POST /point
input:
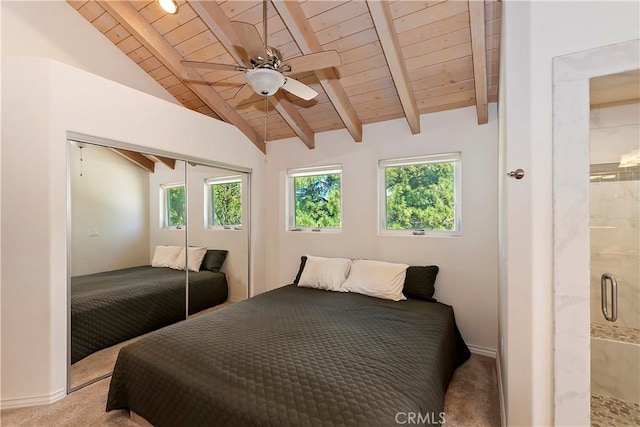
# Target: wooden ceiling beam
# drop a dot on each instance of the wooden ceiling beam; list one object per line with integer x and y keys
{"x": 170, "y": 163}
{"x": 381, "y": 16}
{"x": 217, "y": 21}
{"x": 296, "y": 22}
{"x": 214, "y": 17}
{"x": 479, "y": 54}
{"x": 293, "y": 118}
{"x": 136, "y": 158}
{"x": 146, "y": 34}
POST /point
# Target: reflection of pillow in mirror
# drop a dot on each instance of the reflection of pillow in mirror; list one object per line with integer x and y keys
{"x": 165, "y": 256}
{"x": 195, "y": 255}
{"x": 214, "y": 259}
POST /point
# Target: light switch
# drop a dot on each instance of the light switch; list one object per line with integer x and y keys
{"x": 94, "y": 232}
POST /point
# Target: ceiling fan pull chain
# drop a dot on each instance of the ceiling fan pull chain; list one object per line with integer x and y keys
{"x": 266, "y": 117}
{"x": 264, "y": 22}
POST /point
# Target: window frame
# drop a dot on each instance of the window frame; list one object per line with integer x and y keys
{"x": 164, "y": 206}
{"x": 290, "y": 222}
{"x": 456, "y": 159}
{"x": 208, "y": 197}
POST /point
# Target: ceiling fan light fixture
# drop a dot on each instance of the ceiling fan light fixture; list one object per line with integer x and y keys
{"x": 169, "y": 6}
{"x": 265, "y": 81}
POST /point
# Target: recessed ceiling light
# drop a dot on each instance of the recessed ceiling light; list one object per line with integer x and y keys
{"x": 169, "y": 6}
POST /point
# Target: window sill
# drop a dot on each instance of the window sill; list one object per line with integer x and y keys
{"x": 216, "y": 228}
{"x": 426, "y": 234}
{"x": 317, "y": 231}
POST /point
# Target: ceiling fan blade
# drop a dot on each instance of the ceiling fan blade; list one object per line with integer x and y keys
{"x": 245, "y": 93}
{"x": 212, "y": 66}
{"x": 314, "y": 61}
{"x": 300, "y": 90}
{"x": 251, "y": 41}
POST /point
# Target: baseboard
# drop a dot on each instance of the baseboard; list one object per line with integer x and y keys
{"x": 234, "y": 299}
{"x": 482, "y": 351}
{"x": 503, "y": 409}
{"x": 22, "y": 402}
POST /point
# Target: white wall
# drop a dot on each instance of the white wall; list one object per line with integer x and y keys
{"x": 25, "y": 238}
{"x": 41, "y": 101}
{"x": 468, "y": 264}
{"x": 117, "y": 209}
{"x": 54, "y": 29}
{"x": 533, "y": 34}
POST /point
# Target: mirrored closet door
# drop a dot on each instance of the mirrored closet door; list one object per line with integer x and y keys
{"x": 152, "y": 240}
{"x": 218, "y": 236}
{"x": 127, "y": 217}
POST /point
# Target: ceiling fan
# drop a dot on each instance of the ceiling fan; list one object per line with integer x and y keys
{"x": 265, "y": 67}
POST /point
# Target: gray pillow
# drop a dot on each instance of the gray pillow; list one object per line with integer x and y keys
{"x": 419, "y": 282}
{"x": 213, "y": 260}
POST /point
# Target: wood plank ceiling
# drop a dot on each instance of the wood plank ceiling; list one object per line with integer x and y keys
{"x": 399, "y": 58}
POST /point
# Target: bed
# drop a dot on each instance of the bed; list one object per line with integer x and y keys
{"x": 114, "y": 306}
{"x": 293, "y": 356}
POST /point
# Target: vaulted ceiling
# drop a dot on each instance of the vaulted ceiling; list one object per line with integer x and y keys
{"x": 399, "y": 59}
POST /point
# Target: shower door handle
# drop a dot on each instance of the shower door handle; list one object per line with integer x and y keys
{"x": 613, "y": 316}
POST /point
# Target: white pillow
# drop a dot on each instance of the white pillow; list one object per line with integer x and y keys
{"x": 376, "y": 279}
{"x": 324, "y": 273}
{"x": 164, "y": 256}
{"x": 196, "y": 255}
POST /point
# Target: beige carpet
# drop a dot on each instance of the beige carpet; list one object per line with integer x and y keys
{"x": 97, "y": 365}
{"x": 472, "y": 400}
{"x": 84, "y": 407}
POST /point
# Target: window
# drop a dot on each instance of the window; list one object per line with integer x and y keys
{"x": 421, "y": 195}
{"x": 224, "y": 196}
{"x": 172, "y": 209}
{"x": 315, "y": 199}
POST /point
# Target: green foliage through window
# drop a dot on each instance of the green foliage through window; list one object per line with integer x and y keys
{"x": 226, "y": 204}
{"x": 420, "y": 197}
{"x": 175, "y": 206}
{"x": 317, "y": 201}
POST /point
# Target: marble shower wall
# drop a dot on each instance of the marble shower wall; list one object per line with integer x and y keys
{"x": 615, "y": 371}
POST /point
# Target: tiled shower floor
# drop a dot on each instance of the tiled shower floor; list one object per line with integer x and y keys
{"x": 610, "y": 412}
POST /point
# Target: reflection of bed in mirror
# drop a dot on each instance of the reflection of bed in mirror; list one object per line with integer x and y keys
{"x": 124, "y": 205}
{"x": 111, "y": 307}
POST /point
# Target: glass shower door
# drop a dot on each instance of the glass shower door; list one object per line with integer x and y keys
{"x": 615, "y": 261}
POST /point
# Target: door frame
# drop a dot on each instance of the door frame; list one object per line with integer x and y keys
{"x": 571, "y": 274}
